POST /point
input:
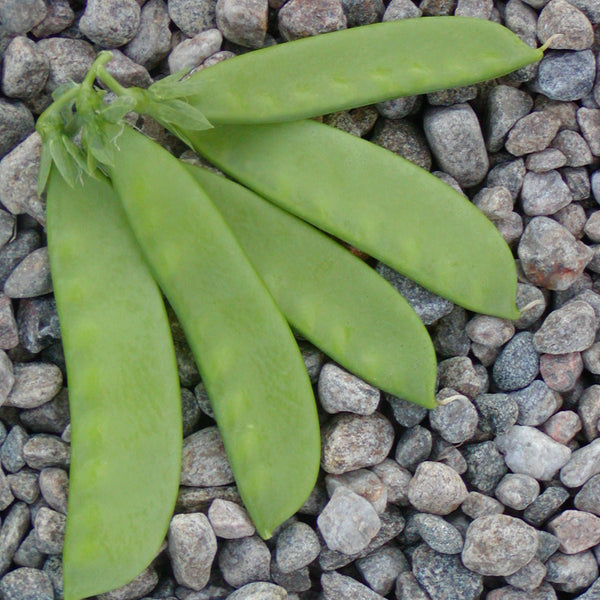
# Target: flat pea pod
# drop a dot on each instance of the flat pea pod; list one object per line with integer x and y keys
{"x": 355, "y": 67}
{"x": 245, "y": 351}
{"x": 330, "y": 296}
{"x": 375, "y": 200}
{"x": 124, "y": 393}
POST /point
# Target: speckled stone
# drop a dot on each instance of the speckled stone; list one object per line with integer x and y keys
{"x": 408, "y": 588}
{"x": 583, "y": 464}
{"x": 34, "y": 384}
{"x": 69, "y": 60}
{"x": 480, "y": 505}
{"x": 506, "y": 105}
{"x": 396, "y": 480}
{"x": 11, "y": 451}
{"x": 545, "y": 505}
{"x": 485, "y": 466}
{"x": 20, "y": 16}
{"x": 573, "y": 218}
{"x": 25, "y": 69}
{"x": 58, "y": 17}
{"x": 529, "y": 577}
{"x": 589, "y": 411}
{"x": 204, "y": 462}
{"x": 449, "y": 337}
{"x": 15, "y": 526}
{"x": 561, "y": 17}
{"x": 577, "y": 530}
{"x": 297, "y": 546}
{"x": 363, "y": 482}
{"x": 544, "y": 193}
{"x": 563, "y": 426}
{"x": 152, "y": 41}
{"x": 413, "y": 447}
{"x": 193, "y": 16}
{"x": 304, "y": 18}
{"x": 589, "y": 122}
{"x": 54, "y": 484}
{"x": 16, "y": 124}
{"x": 340, "y": 391}
{"x": 110, "y": 23}
{"x": 509, "y": 174}
{"x": 402, "y": 137}
{"x": 141, "y": 585}
{"x": 397, "y": 108}
{"x": 438, "y": 534}
{"x": 243, "y": 22}
{"x": 405, "y": 413}
{"x": 258, "y": 591}
{"x": 588, "y": 497}
{"x": 44, "y": 450}
{"x": 436, "y": 489}
{"x": 560, "y": 372}
{"x": 459, "y": 374}
{"x": 537, "y": 403}
{"x": 381, "y": 568}
{"x": 193, "y": 51}
{"x": 566, "y": 75}
{"x": 496, "y": 202}
{"x": 31, "y": 277}
{"x": 572, "y": 572}
{"x": 244, "y": 561}
{"x": 49, "y": 531}
{"x": 337, "y": 586}
{"x": 401, "y": 9}
{"x": 532, "y": 133}
{"x": 24, "y": 485}
{"x": 497, "y": 412}
{"x": 517, "y": 491}
{"x": 26, "y": 583}
{"x": 498, "y": 545}
{"x": 545, "y": 160}
{"x": 229, "y": 520}
{"x": 455, "y": 421}
{"x": 574, "y": 148}
{"x": 518, "y": 363}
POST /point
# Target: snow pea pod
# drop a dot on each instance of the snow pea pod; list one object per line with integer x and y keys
{"x": 354, "y": 67}
{"x": 123, "y": 390}
{"x": 245, "y": 351}
{"x": 330, "y": 296}
{"x": 376, "y": 201}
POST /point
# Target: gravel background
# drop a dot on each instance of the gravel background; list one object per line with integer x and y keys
{"x": 496, "y": 493}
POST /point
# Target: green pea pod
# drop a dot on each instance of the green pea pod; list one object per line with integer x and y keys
{"x": 123, "y": 390}
{"x": 246, "y": 353}
{"x": 330, "y": 296}
{"x": 376, "y": 201}
{"x": 350, "y": 68}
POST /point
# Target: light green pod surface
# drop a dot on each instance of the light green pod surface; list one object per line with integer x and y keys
{"x": 246, "y": 353}
{"x": 376, "y": 201}
{"x": 354, "y": 67}
{"x": 124, "y": 393}
{"x": 330, "y": 296}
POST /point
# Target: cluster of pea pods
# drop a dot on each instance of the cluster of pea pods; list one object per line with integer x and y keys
{"x": 240, "y": 264}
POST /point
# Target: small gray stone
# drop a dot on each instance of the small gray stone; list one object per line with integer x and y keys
{"x": 537, "y": 403}
{"x": 401, "y": 9}
{"x": 521, "y": 19}
{"x": 25, "y": 69}
{"x": 191, "y": 52}
{"x": 592, "y": 227}
{"x": 408, "y": 588}
{"x": 592, "y": 593}
{"x": 340, "y": 391}
{"x": 578, "y": 180}
{"x": 496, "y": 202}
{"x": 54, "y": 486}
{"x": 381, "y": 568}
{"x": 126, "y": 71}
{"x": 37, "y": 323}
{"x": 243, "y": 22}
{"x": 49, "y": 531}
{"x": 43, "y": 450}
{"x": 571, "y": 27}
{"x": 452, "y": 96}
{"x": 244, "y": 561}
{"x": 60, "y": 15}
{"x": 436, "y": 488}
{"x": 574, "y": 147}
{"x": 51, "y": 417}
{"x": 349, "y": 522}
{"x": 547, "y": 544}
{"x": 13, "y": 531}
{"x": 7, "y": 227}
{"x": 438, "y": 534}
{"x": 69, "y": 60}
{"x": 450, "y": 338}
{"x": 396, "y": 480}
{"x": 566, "y": 75}
{"x": 26, "y": 583}
{"x": 229, "y": 520}
{"x": 532, "y": 133}
{"x": 363, "y": 12}
{"x": 530, "y": 452}
{"x": 28, "y": 555}
{"x": 529, "y": 577}
{"x": 583, "y": 464}
{"x": 455, "y": 421}
{"x": 304, "y": 18}
{"x": 485, "y": 466}
{"x": 413, "y": 447}
{"x": 110, "y": 23}
{"x": 479, "y": 505}
{"x": 546, "y": 160}
{"x": 577, "y": 530}
{"x": 460, "y": 375}
{"x": 572, "y": 572}
{"x": 297, "y": 546}
{"x": 444, "y": 577}
{"x": 362, "y": 482}
{"x": 563, "y": 426}
{"x": 550, "y": 256}
{"x": 518, "y": 363}
{"x": 402, "y": 137}
{"x": 498, "y": 545}
{"x": 152, "y": 41}
{"x": 397, "y": 108}
{"x": 497, "y": 412}
{"x": 259, "y": 591}
{"x": 6, "y": 495}
{"x": 16, "y": 123}
{"x": 11, "y": 452}
{"x": 588, "y": 497}
{"x": 24, "y": 485}
{"x": 20, "y": 16}
{"x": 193, "y": 16}
{"x": 589, "y": 122}
{"x": 352, "y": 442}
{"x": 406, "y": 413}
{"x": 143, "y": 584}
{"x": 35, "y": 384}
{"x": 573, "y": 218}
{"x": 192, "y": 547}
{"x": 455, "y": 137}
{"x": 545, "y": 505}
{"x": 31, "y": 277}
{"x": 510, "y": 228}
{"x": 336, "y": 586}
{"x": 505, "y": 106}
{"x": 544, "y": 193}
{"x": 589, "y": 411}
{"x": 517, "y": 491}
{"x": 508, "y": 174}
{"x": 204, "y": 461}
{"x": 490, "y": 331}
{"x": 7, "y": 378}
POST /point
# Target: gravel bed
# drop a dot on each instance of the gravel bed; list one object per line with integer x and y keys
{"x": 495, "y": 494}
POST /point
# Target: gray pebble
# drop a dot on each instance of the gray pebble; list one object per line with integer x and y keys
{"x": 20, "y": 16}
{"x": 44, "y": 450}
{"x": 395, "y": 479}
{"x": 152, "y": 41}
{"x": 518, "y": 363}
{"x": 336, "y": 586}
{"x": 589, "y": 411}
{"x": 589, "y": 122}
{"x": 592, "y": 592}
{"x": 24, "y": 485}
{"x": 479, "y": 505}
{"x": 510, "y": 228}
{"x": 7, "y": 227}
{"x": 229, "y": 520}
{"x": 193, "y": 16}
{"x": 497, "y": 412}
{"x": 452, "y": 96}
{"x": 244, "y": 561}
{"x": 588, "y": 497}
{"x": 259, "y": 591}
{"x": 578, "y": 180}
{"x": 574, "y": 147}
{"x": 37, "y": 323}
{"x": 438, "y": 534}
{"x": 427, "y": 305}
{"x": 546, "y": 160}
{"x": 7, "y": 378}
{"x": 532, "y": 133}
{"x": 576, "y": 530}
{"x": 572, "y": 572}
{"x": 547, "y": 545}
{"x": 402, "y": 137}
{"x": 408, "y": 588}
{"x": 31, "y": 277}
{"x": 381, "y": 568}
{"x": 537, "y": 403}
{"x": 69, "y": 60}
{"x": 6, "y": 495}
{"x": 550, "y": 256}
{"x": 401, "y": 9}
{"x": 16, "y": 123}
{"x": 27, "y": 554}
{"x": 349, "y": 522}
{"x": 203, "y": 400}
{"x": 26, "y": 583}
{"x": 25, "y": 69}
{"x": 437, "y": 7}
{"x": 35, "y": 384}
{"x": 192, "y": 547}
{"x": 571, "y": 328}
{"x": 449, "y": 337}
{"x": 363, "y": 482}
{"x": 499, "y": 545}
{"x": 545, "y": 505}
{"x": 521, "y": 19}
{"x": 570, "y": 25}
{"x": 413, "y": 447}
{"x": 495, "y": 202}
{"x": 54, "y": 486}
{"x": 592, "y": 227}
{"x": 11, "y": 452}
{"x": 485, "y": 466}
{"x": 53, "y": 568}
{"x": 444, "y": 577}
{"x": 458, "y": 373}
{"x": 436, "y": 488}
{"x": 51, "y": 417}
{"x": 566, "y": 75}
{"x": 573, "y": 218}
{"x": 455, "y": 421}
{"x": 126, "y": 71}
{"x": 530, "y": 452}
{"x": 455, "y": 137}
{"x": 449, "y": 455}
{"x": 563, "y": 426}
{"x": 406, "y": 413}
{"x": 243, "y": 22}
{"x": 304, "y": 18}
{"x": 110, "y": 23}
{"x": 517, "y": 491}
{"x": 508, "y": 174}
{"x": 297, "y": 546}
{"x": 143, "y": 584}
{"x": 583, "y": 464}
{"x": 591, "y": 9}
{"x": 191, "y": 52}
{"x": 505, "y": 106}
{"x": 340, "y": 391}
{"x": 351, "y": 442}
{"x": 544, "y": 193}
{"x": 397, "y": 108}
{"x": 490, "y": 331}
{"x": 14, "y": 529}
{"x": 595, "y": 185}
{"x": 49, "y": 531}
{"x": 363, "y": 12}
{"x": 529, "y": 577}
{"x": 60, "y": 15}
{"x": 204, "y": 461}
